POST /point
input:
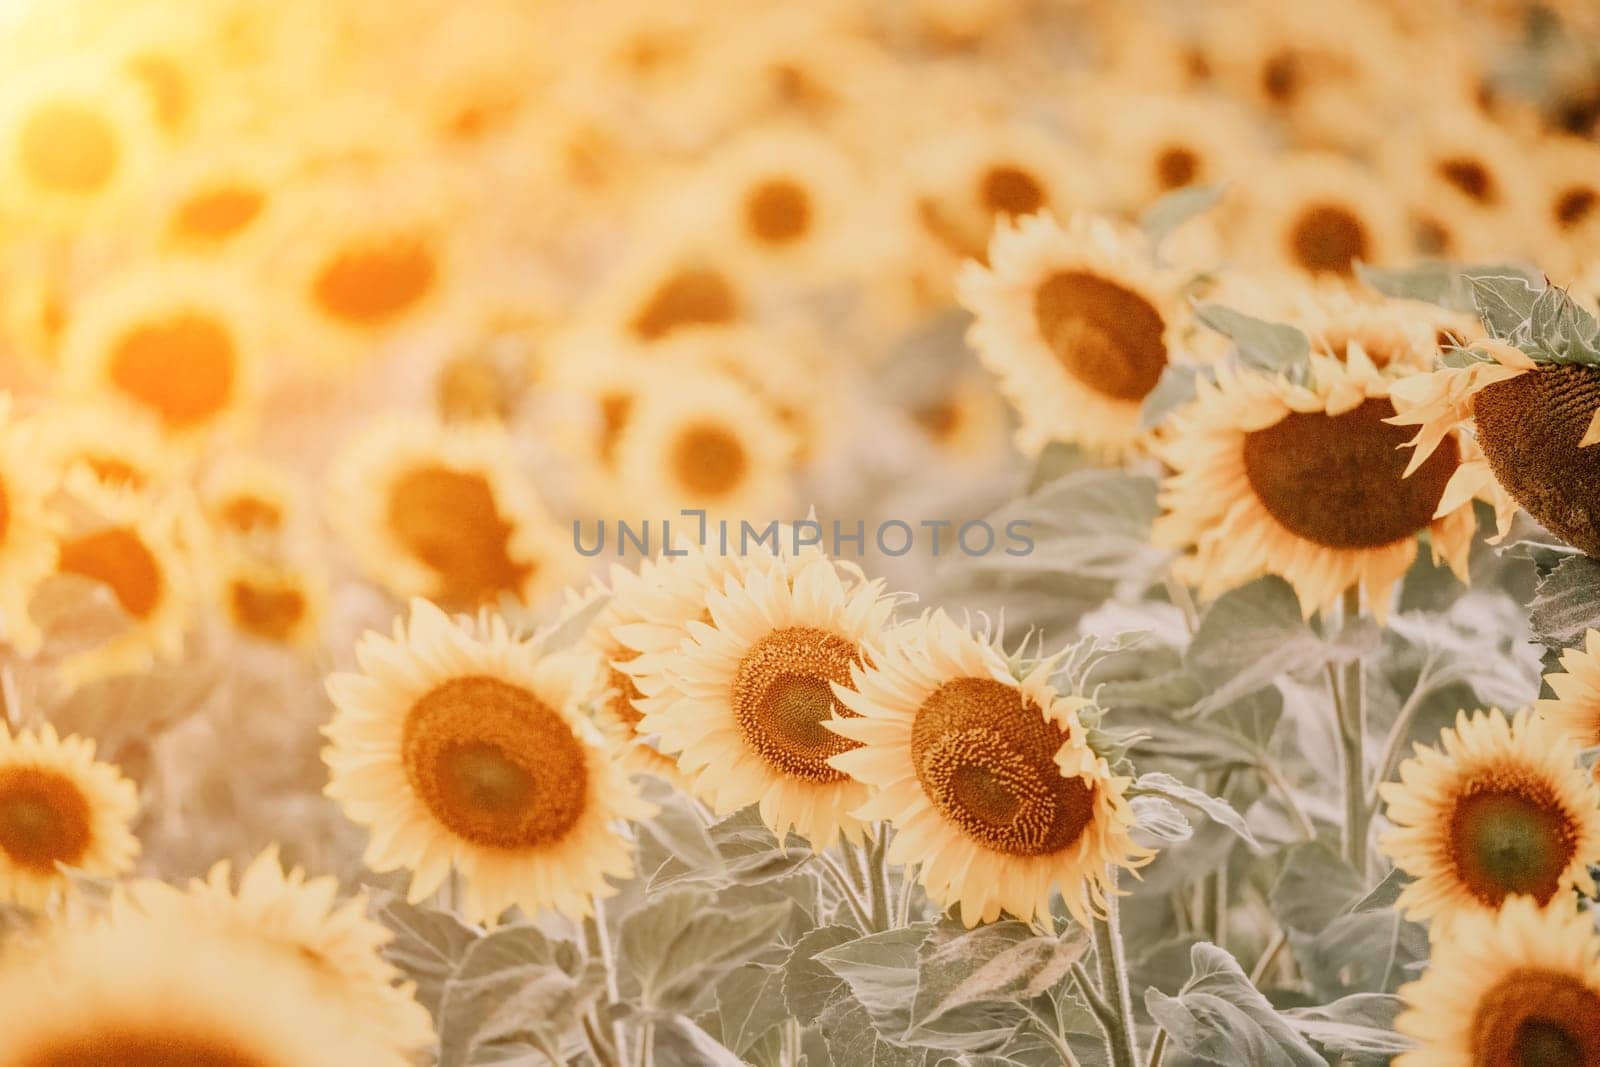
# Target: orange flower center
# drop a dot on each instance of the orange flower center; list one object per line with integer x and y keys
{"x": 374, "y": 283}
{"x": 1471, "y": 178}
{"x": 782, "y": 697}
{"x": 1177, "y": 167}
{"x": 1328, "y": 239}
{"x": 68, "y": 147}
{"x": 267, "y": 611}
{"x": 120, "y": 560}
{"x": 1106, "y": 336}
{"x": 1510, "y": 835}
{"x": 691, "y": 296}
{"x": 450, "y": 520}
{"x": 494, "y": 764}
{"x": 1537, "y": 1018}
{"x": 44, "y": 819}
{"x": 131, "y": 1048}
{"x": 1009, "y": 191}
{"x": 182, "y": 368}
{"x": 213, "y": 215}
{"x": 778, "y": 211}
{"x": 1575, "y": 205}
{"x": 708, "y": 460}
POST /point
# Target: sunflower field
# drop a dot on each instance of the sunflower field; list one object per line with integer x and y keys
{"x": 799, "y": 533}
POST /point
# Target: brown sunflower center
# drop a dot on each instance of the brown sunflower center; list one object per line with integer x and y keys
{"x": 119, "y": 559}
{"x": 1009, "y": 191}
{"x": 1328, "y": 239}
{"x": 267, "y": 611}
{"x": 374, "y": 283}
{"x": 1537, "y": 1018}
{"x": 1176, "y": 166}
{"x": 690, "y": 296}
{"x": 1509, "y": 838}
{"x": 1282, "y": 77}
{"x": 109, "y": 470}
{"x": 450, "y": 520}
{"x": 1470, "y": 177}
{"x": 217, "y": 214}
{"x": 164, "y": 83}
{"x": 939, "y": 420}
{"x": 1529, "y": 427}
{"x": 709, "y": 460}
{"x": 781, "y": 698}
{"x": 246, "y": 513}
{"x": 44, "y": 819}
{"x": 778, "y": 211}
{"x": 1575, "y": 205}
{"x": 182, "y": 368}
{"x": 494, "y": 764}
{"x": 1337, "y": 480}
{"x": 985, "y": 757}
{"x": 134, "y": 1048}
{"x": 1106, "y": 336}
{"x": 69, "y": 147}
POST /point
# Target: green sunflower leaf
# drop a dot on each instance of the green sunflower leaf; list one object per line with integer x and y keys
{"x": 1273, "y": 347}
{"x": 1216, "y": 809}
{"x": 1566, "y": 603}
{"x": 1172, "y": 210}
{"x": 1219, "y": 1017}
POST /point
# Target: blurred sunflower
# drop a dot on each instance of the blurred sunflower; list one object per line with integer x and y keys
{"x": 468, "y": 750}
{"x": 1574, "y": 711}
{"x": 1078, "y": 323}
{"x": 59, "y": 806}
{"x": 1317, "y": 215}
{"x": 444, "y": 513}
{"x": 753, "y": 689}
{"x": 219, "y": 199}
{"x": 1517, "y": 986}
{"x": 1536, "y": 424}
{"x": 1569, "y": 196}
{"x": 706, "y": 442}
{"x": 133, "y": 548}
{"x": 1157, "y": 144}
{"x": 120, "y": 450}
{"x": 74, "y": 141}
{"x": 1308, "y": 482}
{"x": 662, "y": 291}
{"x": 1500, "y": 809}
{"x": 142, "y": 992}
{"x": 1395, "y": 335}
{"x": 172, "y": 341}
{"x": 987, "y": 777}
{"x": 280, "y": 602}
{"x": 246, "y": 497}
{"x": 302, "y": 918}
{"x": 27, "y": 550}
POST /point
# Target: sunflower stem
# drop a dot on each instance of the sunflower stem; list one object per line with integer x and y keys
{"x": 877, "y": 872}
{"x": 1158, "y": 1049}
{"x": 846, "y": 890}
{"x": 598, "y": 942}
{"x": 1350, "y": 710}
{"x": 1114, "y": 978}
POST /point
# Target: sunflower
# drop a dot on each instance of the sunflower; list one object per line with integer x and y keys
{"x": 248, "y": 498}
{"x": 143, "y": 992}
{"x": 704, "y": 441}
{"x": 444, "y": 513}
{"x": 971, "y": 180}
{"x": 468, "y": 750}
{"x": 1518, "y": 986}
{"x": 753, "y": 689}
{"x": 1317, "y": 215}
{"x": 118, "y": 449}
{"x": 280, "y": 602}
{"x": 1499, "y": 810}
{"x": 1078, "y": 323}
{"x": 337, "y": 944}
{"x": 781, "y": 199}
{"x": 177, "y": 343}
{"x": 74, "y": 141}
{"x": 1569, "y": 196}
{"x": 1575, "y": 710}
{"x": 1157, "y": 144}
{"x": 134, "y": 552}
{"x": 1306, "y": 482}
{"x": 1396, "y": 336}
{"x": 218, "y": 200}
{"x": 962, "y": 418}
{"x": 27, "y": 549}
{"x": 382, "y": 259}
{"x": 987, "y": 776}
{"x": 60, "y": 807}
{"x": 1536, "y": 424}
{"x": 664, "y": 290}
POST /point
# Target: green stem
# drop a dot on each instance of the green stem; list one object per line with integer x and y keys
{"x": 1394, "y": 743}
{"x": 1270, "y": 953}
{"x": 1350, "y": 710}
{"x": 877, "y": 872}
{"x": 847, "y": 891}
{"x": 598, "y": 942}
{"x": 1158, "y": 1049}
{"x": 1114, "y": 978}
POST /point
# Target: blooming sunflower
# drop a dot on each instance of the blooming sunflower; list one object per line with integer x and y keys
{"x": 117, "y": 448}
{"x": 281, "y": 602}
{"x": 59, "y": 806}
{"x": 995, "y": 795}
{"x": 468, "y": 750}
{"x": 175, "y": 342}
{"x": 340, "y": 947}
{"x": 1396, "y": 336}
{"x": 752, "y": 689}
{"x": 1536, "y": 425}
{"x": 1078, "y": 323}
{"x": 707, "y": 441}
{"x": 73, "y": 142}
{"x": 1306, "y": 482}
{"x": 666, "y": 289}
{"x": 1518, "y": 986}
{"x": 1317, "y": 215}
{"x": 1157, "y": 144}
{"x": 1499, "y": 810}
{"x": 245, "y": 497}
{"x": 1569, "y": 195}
{"x": 444, "y": 513}
{"x": 27, "y": 552}
{"x": 1574, "y": 711}
{"x": 218, "y": 200}
{"x": 144, "y": 992}
{"x": 136, "y": 548}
